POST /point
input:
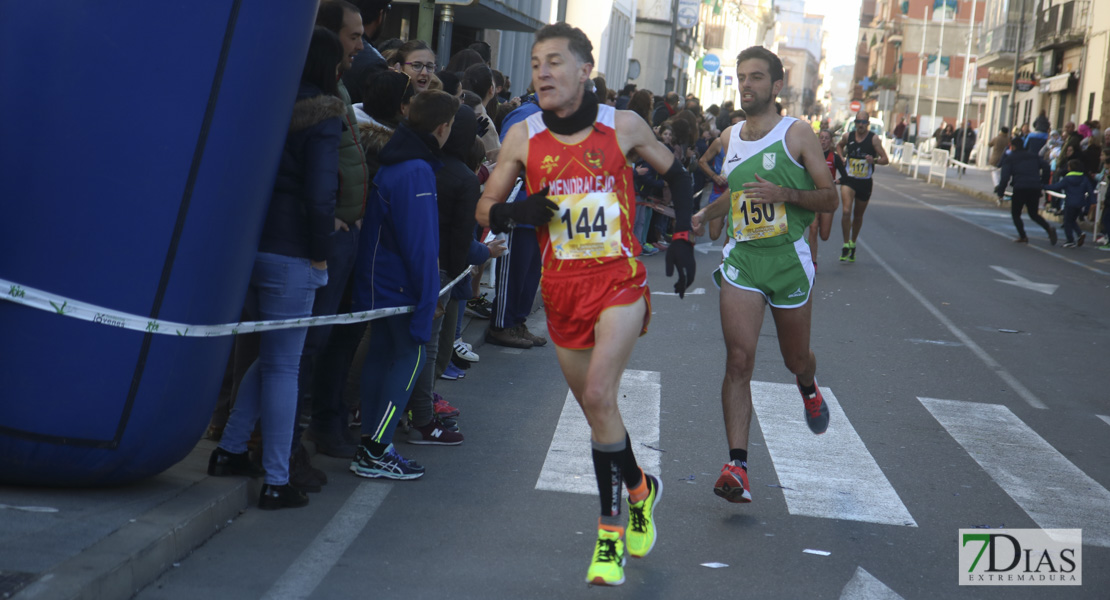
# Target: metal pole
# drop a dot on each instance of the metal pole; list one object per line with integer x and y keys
{"x": 669, "y": 83}
{"x": 446, "y": 24}
{"x": 963, "y": 85}
{"x": 940, "y": 58}
{"x": 425, "y": 21}
{"x": 1017, "y": 61}
{"x": 920, "y": 70}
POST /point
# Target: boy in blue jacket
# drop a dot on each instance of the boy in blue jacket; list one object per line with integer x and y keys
{"x": 1079, "y": 193}
{"x": 397, "y": 265}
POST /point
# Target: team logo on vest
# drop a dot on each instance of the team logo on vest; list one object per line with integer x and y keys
{"x": 550, "y": 163}
{"x": 594, "y": 157}
{"x": 769, "y": 160}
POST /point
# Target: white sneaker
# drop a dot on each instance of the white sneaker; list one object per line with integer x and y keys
{"x": 465, "y": 351}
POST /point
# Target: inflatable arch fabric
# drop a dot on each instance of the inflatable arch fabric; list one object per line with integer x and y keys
{"x": 138, "y": 145}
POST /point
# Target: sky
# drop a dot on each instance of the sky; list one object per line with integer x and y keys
{"x": 842, "y": 25}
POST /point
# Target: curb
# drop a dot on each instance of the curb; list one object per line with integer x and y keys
{"x": 990, "y": 198}
{"x": 132, "y": 557}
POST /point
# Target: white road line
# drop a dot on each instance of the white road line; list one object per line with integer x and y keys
{"x": 832, "y": 475}
{"x": 864, "y": 586}
{"x": 1105, "y": 418}
{"x": 998, "y": 233}
{"x": 1045, "y": 484}
{"x": 314, "y": 563}
{"x": 992, "y": 364}
{"x": 693, "y": 292}
{"x": 569, "y": 466}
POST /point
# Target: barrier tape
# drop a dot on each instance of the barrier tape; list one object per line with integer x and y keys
{"x": 35, "y": 298}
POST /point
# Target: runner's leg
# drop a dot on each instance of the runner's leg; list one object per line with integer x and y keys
{"x": 847, "y": 198}
{"x": 741, "y": 320}
{"x": 857, "y": 219}
{"x": 793, "y": 327}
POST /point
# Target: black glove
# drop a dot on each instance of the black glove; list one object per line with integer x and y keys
{"x": 483, "y": 126}
{"x": 681, "y": 254}
{"x": 534, "y": 210}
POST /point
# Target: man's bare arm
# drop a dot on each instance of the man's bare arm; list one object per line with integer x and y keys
{"x": 707, "y": 158}
{"x": 512, "y": 159}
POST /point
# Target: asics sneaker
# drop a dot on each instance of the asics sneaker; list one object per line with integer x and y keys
{"x": 389, "y": 465}
{"x": 607, "y": 566}
{"x": 641, "y": 531}
{"x": 732, "y": 485}
{"x": 817, "y": 412}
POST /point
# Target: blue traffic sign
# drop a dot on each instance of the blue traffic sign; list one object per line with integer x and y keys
{"x": 710, "y": 62}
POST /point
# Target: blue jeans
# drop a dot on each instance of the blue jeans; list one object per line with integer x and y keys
{"x": 283, "y": 288}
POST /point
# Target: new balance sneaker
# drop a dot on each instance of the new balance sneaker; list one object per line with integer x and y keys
{"x": 852, "y": 252}
{"x": 732, "y": 485}
{"x": 479, "y": 307}
{"x": 465, "y": 352}
{"x": 435, "y": 433}
{"x": 389, "y": 465}
{"x": 607, "y": 566}
{"x": 817, "y": 412}
{"x": 641, "y": 531}
{"x": 522, "y": 331}
{"x": 442, "y": 408}
{"x": 844, "y": 250}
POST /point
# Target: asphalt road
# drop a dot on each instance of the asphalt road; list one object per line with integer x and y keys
{"x": 968, "y": 374}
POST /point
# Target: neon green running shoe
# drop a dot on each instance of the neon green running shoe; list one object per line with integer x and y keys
{"x": 844, "y": 251}
{"x": 641, "y": 520}
{"x": 852, "y": 252}
{"x": 607, "y": 567}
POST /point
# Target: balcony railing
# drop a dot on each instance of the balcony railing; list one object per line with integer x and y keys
{"x": 1003, "y": 39}
{"x": 1062, "y": 25}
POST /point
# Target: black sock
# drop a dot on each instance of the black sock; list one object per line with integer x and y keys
{"x": 607, "y": 470}
{"x": 808, "y": 390}
{"x": 739, "y": 455}
{"x": 376, "y": 449}
{"x": 629, "y": 468}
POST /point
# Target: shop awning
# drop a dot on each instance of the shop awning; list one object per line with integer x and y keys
{"x": 487, "y": 14}
{"x": 1056, "y": 83}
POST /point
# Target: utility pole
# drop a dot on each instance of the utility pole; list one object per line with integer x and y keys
{"x": 963, "y": 85}
{"x": 940, "y": 61}
{"x": 920, "y": 70}
{"x": 1017, "y": 62}
{"x": 669, "y": 84}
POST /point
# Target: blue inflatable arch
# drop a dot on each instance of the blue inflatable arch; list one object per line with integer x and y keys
{"x": 138, "y": 145}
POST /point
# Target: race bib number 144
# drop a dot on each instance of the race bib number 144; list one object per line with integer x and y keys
{"x": 586, "y": 226}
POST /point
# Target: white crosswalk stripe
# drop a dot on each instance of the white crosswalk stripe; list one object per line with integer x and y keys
{"x": 1047, "y": 486}
{"x": 1105, "y": 418}
{"x": 832, "y": 476}
{"x": 569, "y": 467}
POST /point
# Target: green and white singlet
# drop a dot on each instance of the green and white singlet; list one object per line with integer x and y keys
{"x": 767, "y": 251}
{"x": 765, "y": 225}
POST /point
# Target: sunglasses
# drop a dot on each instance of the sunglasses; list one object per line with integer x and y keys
{"x": 419, "y": 66}
{"x": 862, "y": 121}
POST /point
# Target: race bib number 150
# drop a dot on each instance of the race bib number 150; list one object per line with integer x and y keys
{"x": 751, "y": 221}
{"x": 586, "y": 226}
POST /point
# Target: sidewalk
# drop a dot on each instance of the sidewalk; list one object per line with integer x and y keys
{"x": 108, "y": 543}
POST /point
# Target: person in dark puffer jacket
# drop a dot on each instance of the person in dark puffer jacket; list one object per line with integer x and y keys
{"x": 289, "y": 268}
{"x": 1029, "y": 173}
{"x": 1079, "y": 194}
